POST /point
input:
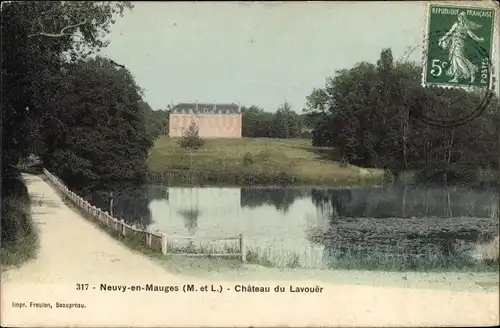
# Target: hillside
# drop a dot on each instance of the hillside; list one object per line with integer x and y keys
{"x": 253, "y": 161}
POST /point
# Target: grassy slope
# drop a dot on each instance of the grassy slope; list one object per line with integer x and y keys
{"x": 265, "y": 160}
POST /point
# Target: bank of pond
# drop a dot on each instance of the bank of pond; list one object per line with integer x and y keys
{"x": 393, "y": 227}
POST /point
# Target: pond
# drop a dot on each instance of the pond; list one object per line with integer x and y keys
{"x": 388, "y": 228}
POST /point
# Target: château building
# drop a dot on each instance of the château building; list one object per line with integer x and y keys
{"x": 213, "y": 120}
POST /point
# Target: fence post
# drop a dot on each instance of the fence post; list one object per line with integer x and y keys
{"x": 243, "y": 250}
{"x": 164, "y": 245}
{"x": 111, "y": 205}
{"x": 123, "y": 226}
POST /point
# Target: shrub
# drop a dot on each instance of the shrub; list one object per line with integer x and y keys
{"x": 248, "y": 159}
{"x": 19, "y": 235}
{"x": 192, "y": 138}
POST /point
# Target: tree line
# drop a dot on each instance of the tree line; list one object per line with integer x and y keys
{"x": 82, "y": 114}
{"x": 285, "y": 123}
{"x": 373, "y": 115}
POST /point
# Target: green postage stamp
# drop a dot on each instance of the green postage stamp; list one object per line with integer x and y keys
{"x": 459, "y": 46}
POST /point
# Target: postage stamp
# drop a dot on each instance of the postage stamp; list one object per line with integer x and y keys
{"x": 459, "y": 46}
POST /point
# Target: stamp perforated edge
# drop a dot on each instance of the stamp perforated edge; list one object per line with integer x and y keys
{"x": 495, "y": 39}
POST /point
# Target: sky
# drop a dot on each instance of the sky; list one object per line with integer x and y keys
{"x": 257, "y": 53}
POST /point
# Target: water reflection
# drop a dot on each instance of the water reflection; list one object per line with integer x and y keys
{"x": 280, "y": 198}
{"x": 190, "y": 219}
{"x": 395, "y": 227}
{"x": 130, "y": 203}
{"x": 407, "y": 201}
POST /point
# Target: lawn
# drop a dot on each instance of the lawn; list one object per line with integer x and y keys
{"x": 253, "y": 161}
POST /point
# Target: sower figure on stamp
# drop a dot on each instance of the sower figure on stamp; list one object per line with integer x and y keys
{"x": 454, "y": 40}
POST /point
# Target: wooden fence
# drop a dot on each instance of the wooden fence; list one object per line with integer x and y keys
{"x": 157, "y": 241}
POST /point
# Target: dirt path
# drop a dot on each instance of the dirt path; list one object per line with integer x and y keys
{"x": 73, "y": 252}
{"x": 72, "y": 248}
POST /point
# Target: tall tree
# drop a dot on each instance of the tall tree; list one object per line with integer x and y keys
{"x": 98, "y": 126}
{"x": 286, "y": 122}
{"x": 256, "y": 123}
{"x": 156, "y": 120}
{"x": 37, "y": 38}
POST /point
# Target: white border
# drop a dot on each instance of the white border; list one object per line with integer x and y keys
{"x": 494, "y": 40}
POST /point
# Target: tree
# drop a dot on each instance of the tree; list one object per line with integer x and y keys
{"x": 156, "y": 120}
{"x": 37, "y": 38}
{"x": 286, "y": 123}
{"x": 317, "y": 115}
{"x": 98, "y": 127}
{"x": 192, "y": 137}
{"x": 256, "y": 123}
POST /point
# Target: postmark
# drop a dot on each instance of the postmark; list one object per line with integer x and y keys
{"x": 459, "y": 46}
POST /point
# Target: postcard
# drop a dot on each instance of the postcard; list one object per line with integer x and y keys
{"x": 250, "y": 164}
